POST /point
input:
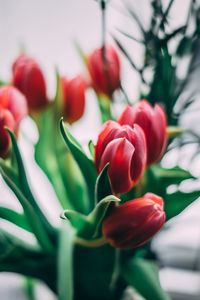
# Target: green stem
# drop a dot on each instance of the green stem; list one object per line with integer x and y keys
{"x": 105, "y": 108}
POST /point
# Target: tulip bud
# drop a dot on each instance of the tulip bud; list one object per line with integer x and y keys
{"x": 73, "y": 98}
{"x": 135, "y": 222}
{"x": 154, "y": 124}
{"x": 124, "y": 148}
{"x": 104, "y": 69}
{"x": 6, "y": 120}
{"x": 13, "y": 108}
{"x": 14, "y": 101}
{"x": 29, "y": 79}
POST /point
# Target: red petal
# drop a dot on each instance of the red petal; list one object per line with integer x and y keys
{"x": 119, "y": 154}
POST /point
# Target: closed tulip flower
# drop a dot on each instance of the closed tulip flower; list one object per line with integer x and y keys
{"x": 14, "y": 101}
{"x": 104, "y": 69}
{"x": 29, "y": 79}
{"x": 154, "y": 124}
{"x": 124, "y": 148}
{"x": 73, "y": 98}
{"x": 13, "y": 108}
{"x": 135, "y": 222}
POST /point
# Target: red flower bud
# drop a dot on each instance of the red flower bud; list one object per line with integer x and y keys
{"x": 154, "y": 124}
{"x": 104, "y": 71}
{"x": 13, "y": 108}
{"x": 135, "y": 222}
{"x": 14, "y": 101}
{"x": 124, "y": 148}
{"x": 73, "y": 98}
{"x": 29, "y": 79}
{"x": 6, "y": 120}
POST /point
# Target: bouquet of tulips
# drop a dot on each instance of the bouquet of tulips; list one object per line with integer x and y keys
{"x": 114, "y": 194}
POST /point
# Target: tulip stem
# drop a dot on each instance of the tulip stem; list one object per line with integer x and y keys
{"x": 103, "y": 14}
{"x": 90, "y": 244}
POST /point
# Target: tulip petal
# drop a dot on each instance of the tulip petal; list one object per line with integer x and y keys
{"x": 107, "y": 134}
{"x": 118, "y": 153}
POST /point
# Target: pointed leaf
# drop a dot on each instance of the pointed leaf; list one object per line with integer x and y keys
{"x": 176, "y": 202}
{"x": 85, "y": 164}
{"x": 103, "y": 187}
{"x": 25, "y": 188}
{"x": 174, "y": 175}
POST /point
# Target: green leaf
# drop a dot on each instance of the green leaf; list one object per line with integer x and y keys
{"x": 32, "y": 216}
{"x": 88, "y": 227}
{"x": 143, "y": 276}
{"x": 10, "y": 172}
{"x": 85, "y": 164}
{"x": 91, "y": 148}
{"x": 102, "y": 187}
{"x": 25, "y": 189}
{"x": 97, "y": 215}
{"x": 77, "y": 219}
{"x": 176, "y": 202}
{"x": 185, "y": 46}
{"x": 65, "y": 262}
{"x": 15, "y": 218}
{"x": 167, "y": 177}
{"x": 46, "y": 156}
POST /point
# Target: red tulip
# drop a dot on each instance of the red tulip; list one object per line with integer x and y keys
{"x": 29, "y": 79}
{"x": 135, "y": 222}
{"x": 124, "y": 148}
{"x": 73, "y": 98}
{"x": 154, "y": 124}
{"x": 104, "y": 71}
{"x": 13, "y": 108}
{"x": 14, "y": 101}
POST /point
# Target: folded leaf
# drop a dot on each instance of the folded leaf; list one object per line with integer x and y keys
{"x": 88, "y": 227}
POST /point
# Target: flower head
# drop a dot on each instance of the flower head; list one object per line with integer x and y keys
{"x": 29, "y": 79}
{"x": 104, "y": 69}
{"x": 153, "y": 121}
{"x": 124, "y": 148}
{"x": 135, "y": 222}
{"x": 73, "y": 98}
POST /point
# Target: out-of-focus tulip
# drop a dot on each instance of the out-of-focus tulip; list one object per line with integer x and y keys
{"x": 14, "y": 101}
{"x": 73, "y": 98}
{"x": 135, "y": 222}
{"x": 124, "y": 148}
{"x": 104, "y": 69}
{"x": 153, "y": 121}
{"x": 29, "y": 79}
{"x": 13, "y": 108}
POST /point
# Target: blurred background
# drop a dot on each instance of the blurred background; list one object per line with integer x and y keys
{"x": 48, "y": 30}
